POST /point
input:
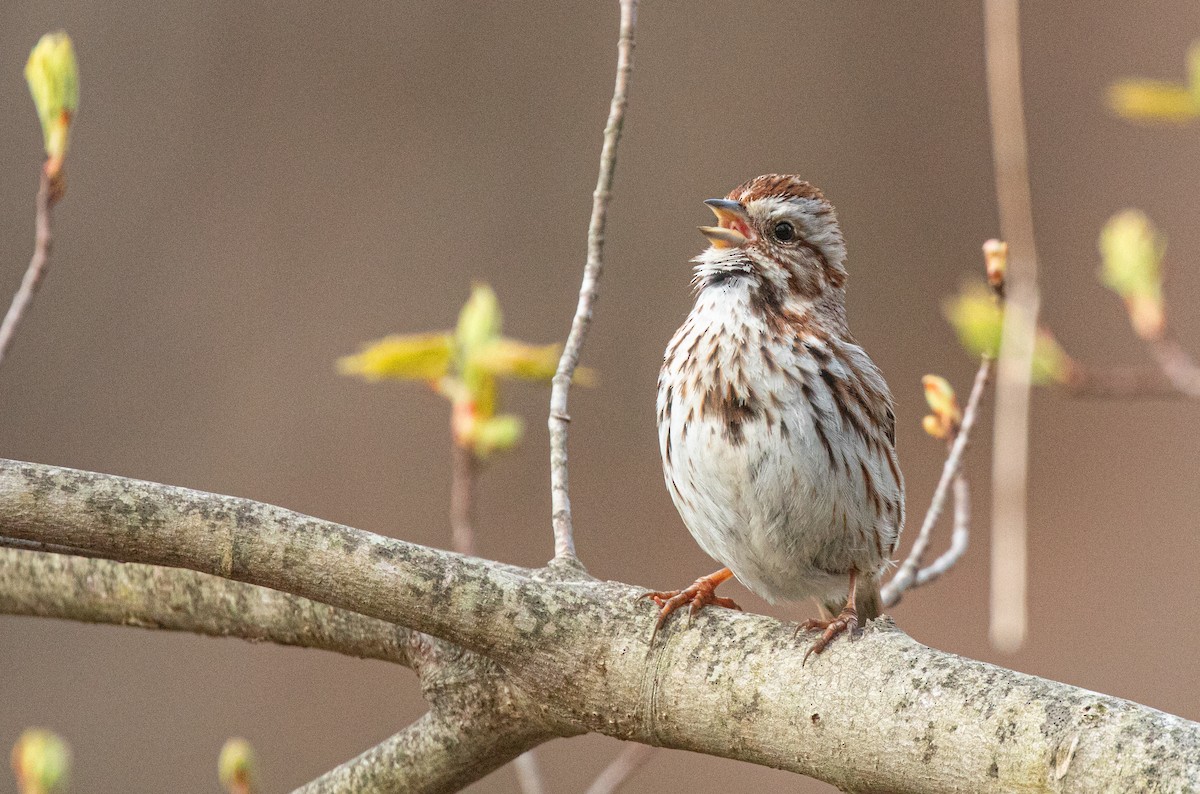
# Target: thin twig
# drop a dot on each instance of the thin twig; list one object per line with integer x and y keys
{"x": 1177, "y": 365}
{"x": 1118, "y": 382}
{"x": 564, "y": 541}
{"x": 529, "y": 773}
{"x": 908, "y": 576}
{"x": 43, "y": 241}
{"x": 463, "y": 468}
{"x": 960, "y": 537}
{"x": 631, "y": 758}
{"x": 1010, "y": 448}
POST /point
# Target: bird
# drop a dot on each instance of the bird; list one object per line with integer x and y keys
{"x": 777, "y": 431}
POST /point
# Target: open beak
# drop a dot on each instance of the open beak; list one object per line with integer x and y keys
{"x": 734, "y": 229}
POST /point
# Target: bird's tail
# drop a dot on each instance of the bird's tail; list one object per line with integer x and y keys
{"x": 867, "y": 600}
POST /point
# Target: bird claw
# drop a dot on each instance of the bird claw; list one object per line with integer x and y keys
{"x": 846, "y": 622}
{"x": 699, "y": 594}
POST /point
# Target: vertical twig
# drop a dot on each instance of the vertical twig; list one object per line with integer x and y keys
{"x": 1177, "y": 365}
{"x": 529, "y": 773}
{"x": 463, "y": 468}
{"x": 1010, "y": 450}
{"x": 47, "y": 196}
{"x": 960, "y": 535}
{"x": 629, "y": 760}
{"x": 564, "y": 542}
{"x": 910, "y": 574}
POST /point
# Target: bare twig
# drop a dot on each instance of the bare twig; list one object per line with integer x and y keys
{"x": 1177, "y": 375}
{"x": 910, "y": 574}
{"x": 564, "y": 541}
{"x": 631, "y": 758}
{"x": 47, "y": 197}
{"x": 960, "y": 536}
{"x": 583, "y": 647}
{"x": 1118, "y": 382}
{"x": 463, "y": 468}
{"x": 529, "y": 773}
{"x": 1177, "y": 365}
{"x": 1010, "y": 449}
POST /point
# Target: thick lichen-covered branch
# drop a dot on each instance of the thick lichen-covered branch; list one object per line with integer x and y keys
{"x": 437, "y": 753}
{"x": 103, "y": 591}
{"x": 469, "y": 695}
{"x": 729, "y": 684}
{"x": 478, "y": 721}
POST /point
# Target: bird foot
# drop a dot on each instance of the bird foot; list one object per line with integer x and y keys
{"x": 699, "y": 594}
{"x": 846, "y": 622}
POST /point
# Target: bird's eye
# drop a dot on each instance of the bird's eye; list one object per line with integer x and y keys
{"x": 784, "y": 232}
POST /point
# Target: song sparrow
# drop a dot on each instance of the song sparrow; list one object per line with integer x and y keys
{"x": 776, "y": 429}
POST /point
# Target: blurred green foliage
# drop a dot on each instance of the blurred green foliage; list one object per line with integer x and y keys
{"x": 41, "y": 761}
{"x": 465, "y": 366}
{"x": 978, "y": 319}
{"x": 1131, "y": 251}
{"x": 237, "y": 767}
{"x": 1158, "y": 100}
{"x": 53, "y": 79}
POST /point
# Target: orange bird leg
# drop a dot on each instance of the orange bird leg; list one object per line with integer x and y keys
{"x": 847, "y": 621}
{"x": 701, "y": 593}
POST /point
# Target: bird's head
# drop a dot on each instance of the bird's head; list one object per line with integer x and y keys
{"x": 781, "y": 229}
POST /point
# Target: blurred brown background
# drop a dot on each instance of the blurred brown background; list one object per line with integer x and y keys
{"x": 255, "y": 189}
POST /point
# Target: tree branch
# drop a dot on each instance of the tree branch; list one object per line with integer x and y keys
{"x": 47, "y": 196}
{"x": 461, "y": 686}
{"x": 934, "y": 721}
{"x": 103, "y": 591}
{"x": 564, "y": 539}
{"x": 1010, "y": 445}
{"x": 478, "y": 721}
{"x": 437, "y": 753}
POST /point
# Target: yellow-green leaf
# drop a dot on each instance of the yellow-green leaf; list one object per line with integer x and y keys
{"x": 480, "y": 320}
{"x": 1051, "y": 364}
{"x": 53, "y": 78}
{"x": 411, "y": 357}
{"x": 496, "y": 434}
{"x": 977, "y": 319}
{"x": 1153, "y": 100}
{"x": 236, "y": 767}
{"x": 510, "y": 358}
{"x": 979, "y": 322}
{"x": 1131, "y": 250}
{"x": 41, "y": 760}
{"x": 479, "y": 325}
